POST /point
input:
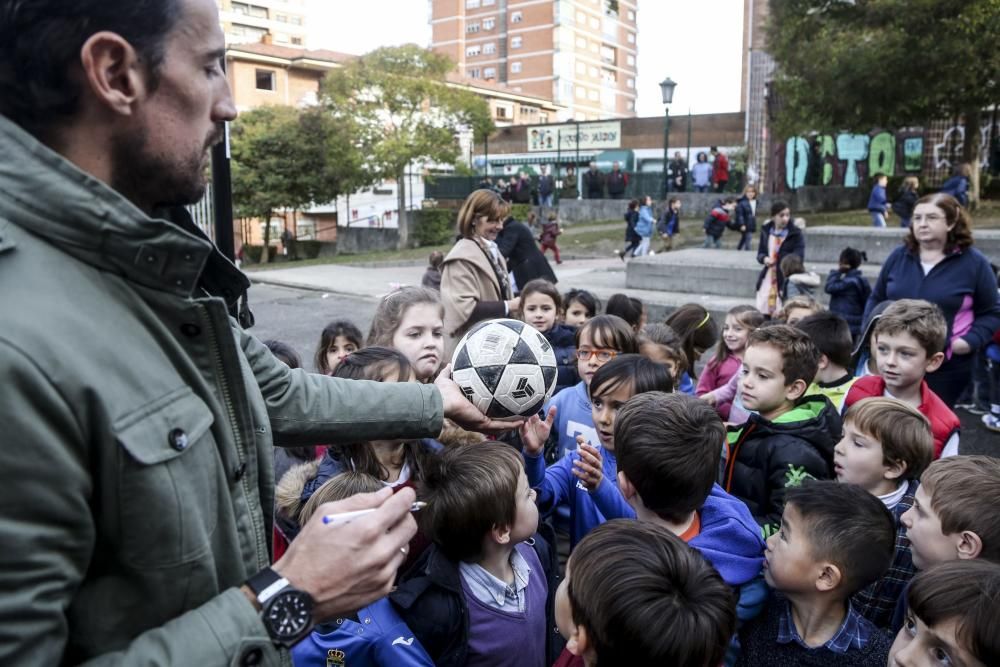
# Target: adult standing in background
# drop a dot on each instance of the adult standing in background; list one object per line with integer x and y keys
{"x": 570, "y": 189}
{"x": 523, "y": 256}
{"x": 616, "y": 181}
{"x": 720, "y": 169}
{"x": 937, "y": 263}
{"x": 138, "y": 530}
{"x": 593, "y": 182}
{"x": 779, "y": 238}
{"x": 546, "y": 186}
{"x": 521, "y": 189}
{"x": 701, "y": 174}
{"x": 677, "y": 173}
{"x": 475, "y": 285}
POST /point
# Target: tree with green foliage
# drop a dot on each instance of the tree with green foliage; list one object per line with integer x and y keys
{"x": 284, "y": 158}
{"x": 403, "y": 110}
{"x": 848, "y": 64}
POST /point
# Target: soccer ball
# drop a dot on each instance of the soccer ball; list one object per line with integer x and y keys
{"x": 506, "y": 368}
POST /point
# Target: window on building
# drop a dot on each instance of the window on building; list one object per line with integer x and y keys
{"x": 487, "y": 3}
{"x": 581, "y": 92}
{"x": 630, "y": 105}
{"x": 515, "y": 68}
{"x": 246, "y": 33}
{"x": 472, "y": 27}
{"x": 631, "y": 15}
{"x": 543, "y": 118}
{"x": 581, "y": 67}
{"x": 489, "y": 48}
{"x": 297, "y": 41}
{"x": 490, "y": 73}
{"x": 609, "y": 76}
{"x": 630, "y": 59}
{"x": 608, "y": 54}
{"x": 516, "y": 17}
{"x": 631, "y": 38}
{"x": 471, "y": 4}
{"x": 593, "y": 47}
{"x": 265, "y": 79}
{"x": 489, "y": 24}
{"x": 247, "y": 9}
{"x": 515, "y": 42}
{"x": 581, "y": 18}
{"x": 500, "y": 112}
{"x": 295, "y": 20}
{"x": 593, "y": 71}
{"x": 581, "y": 42}
{"x": 281, "y": 18}
{"x": 630, "y": 83}
{"x": 595, "y": 23}
{"x": 473, "y": 73}
{"x": 473, "y": 50}
{"x": 593, "y": 95}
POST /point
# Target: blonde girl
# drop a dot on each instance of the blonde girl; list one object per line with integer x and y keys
{"x": 411, "y": 320}
{"x": 728, "y": 357}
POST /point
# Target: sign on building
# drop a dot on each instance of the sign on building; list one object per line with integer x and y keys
{"x": 563, "y": 137}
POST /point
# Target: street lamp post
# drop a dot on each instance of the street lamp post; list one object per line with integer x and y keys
{"x": 667, "y": 92}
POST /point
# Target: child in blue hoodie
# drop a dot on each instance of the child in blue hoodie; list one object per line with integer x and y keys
{"x": 878, "y": 203}
{"x": 669, "y": 449}
{"x": 374, "y": 636}
{"x": 586, "y": 481}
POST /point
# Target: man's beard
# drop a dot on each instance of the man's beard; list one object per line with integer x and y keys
{"x": 153, "y": 180}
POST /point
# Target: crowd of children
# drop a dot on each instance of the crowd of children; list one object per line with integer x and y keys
{"x": 782, "y": 504}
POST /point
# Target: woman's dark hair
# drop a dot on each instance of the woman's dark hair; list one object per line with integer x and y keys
{"x": 634, "y": 204}
{"x": 641, "y": 373}
{"x": 284, "y": 352}
{"x": 40, "y": 43}
{"x": 959, "y": 236}
{"x": 696, "y": 329}
{"x": 778, "y": 206}
{"x": 584, "y": 298}
{"x": 376, "y": 363}
{"x": 853, "y": 257}
{"x": 626, "y": 307}
{"x": 344, "y": 328}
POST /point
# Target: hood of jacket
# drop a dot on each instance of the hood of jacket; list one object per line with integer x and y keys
{"x": 813, "y": 419}
{"x": 98, "y": 226}
{"x": 729, "y": 539}
{"x": 561, "y": 335}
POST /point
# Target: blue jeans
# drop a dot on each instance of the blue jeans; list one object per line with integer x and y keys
{"x": 746, "y": 241}
{"x": 712, "y": 241}
{"x": 545, "y": 200}
{"x": 878, "y": 218}
{"x": 702, "y": 188}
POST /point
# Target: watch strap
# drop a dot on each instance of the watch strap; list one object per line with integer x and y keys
{"x": 264, "y": 580}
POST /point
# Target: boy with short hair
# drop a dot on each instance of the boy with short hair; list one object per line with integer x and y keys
{"x": 908, "y": 342}
{"x": 952, "y": 617}
{"x": 831, "y": 335}
{"x": 791, "y": 436}
{"x": 668, "y": 461}
{"x": 479, "y": 591}
{"x": 717, "y": 220}
{"x": 834, "y": 540}
{"x": 878, "y": 203}
{"x": 676, "y": 610}
{"x": 886, "y": 446}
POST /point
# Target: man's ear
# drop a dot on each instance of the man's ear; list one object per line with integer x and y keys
{"x": 796, "y": 390}
{"x": 627, "y": 489}
{"x": 829, "y": 577}
{"x": 934, "y": 362}
{"x": 112, "y": 71}
{"x": 969, "y": 546}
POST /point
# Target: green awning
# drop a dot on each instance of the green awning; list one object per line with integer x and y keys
{"x": 543, "y": 158}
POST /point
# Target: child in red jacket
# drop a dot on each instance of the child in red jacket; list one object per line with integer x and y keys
{"x": 550, "y": 231}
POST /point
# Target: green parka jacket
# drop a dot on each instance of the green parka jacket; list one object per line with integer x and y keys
{"x": 137, "y": 421}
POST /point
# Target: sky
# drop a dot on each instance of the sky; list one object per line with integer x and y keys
{"x": 697, "y": 43}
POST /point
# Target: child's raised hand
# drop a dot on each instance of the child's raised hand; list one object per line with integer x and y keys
{"x": 589, "y": 468}
{"x": 535, "y": 432}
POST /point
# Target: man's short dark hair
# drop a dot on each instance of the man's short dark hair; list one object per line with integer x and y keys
{"x": 675, "y": 610}
{"x": 469, "y": 489}
{"x": 40, "y": 44}
{"x": 831, "y": 334}
{"x": 669, "y": 446}
{"x": 966, "y": 592}
{"x": 800, "y": 358}
{"x": 847, "y": 526}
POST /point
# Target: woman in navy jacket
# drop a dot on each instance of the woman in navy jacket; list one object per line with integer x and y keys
{"x": 788, "y": 240}
{"x": 938, "y": 263}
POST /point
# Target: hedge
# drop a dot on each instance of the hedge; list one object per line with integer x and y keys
{"x": 435, "y": 226}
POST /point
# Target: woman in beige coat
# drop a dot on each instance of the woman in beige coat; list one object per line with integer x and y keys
{"x": 475, "y": 285}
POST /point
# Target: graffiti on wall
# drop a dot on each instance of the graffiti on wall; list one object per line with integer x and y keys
{"x": 849, "y": 159}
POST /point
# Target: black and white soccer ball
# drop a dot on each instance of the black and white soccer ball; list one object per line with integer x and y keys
{"x": 506, "y": 368}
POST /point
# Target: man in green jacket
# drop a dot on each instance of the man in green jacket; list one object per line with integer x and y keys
{"x": 137, "y": 418}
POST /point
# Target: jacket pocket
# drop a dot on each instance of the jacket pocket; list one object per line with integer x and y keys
{"x": 169, "y": 481}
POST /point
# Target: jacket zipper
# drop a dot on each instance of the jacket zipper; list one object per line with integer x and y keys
{"x": 733, "y": 452}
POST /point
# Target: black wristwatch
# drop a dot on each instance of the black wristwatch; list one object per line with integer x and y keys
{"x": 285, "y": 610}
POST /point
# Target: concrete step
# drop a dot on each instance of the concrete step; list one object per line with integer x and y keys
{"x": 709, "y": 272}
{"x": 824, "y": 244}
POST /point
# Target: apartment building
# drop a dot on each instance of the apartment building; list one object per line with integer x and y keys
{"x": 281, "y": 22}
{"x": 580, "y": 54}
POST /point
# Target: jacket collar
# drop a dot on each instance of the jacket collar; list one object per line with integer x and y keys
{"x": 51, "y": 198}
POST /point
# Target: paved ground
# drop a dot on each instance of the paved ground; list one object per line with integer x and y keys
{"x": 297, "y": 314}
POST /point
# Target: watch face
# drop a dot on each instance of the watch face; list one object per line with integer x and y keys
{"x": 288, "y": 615}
